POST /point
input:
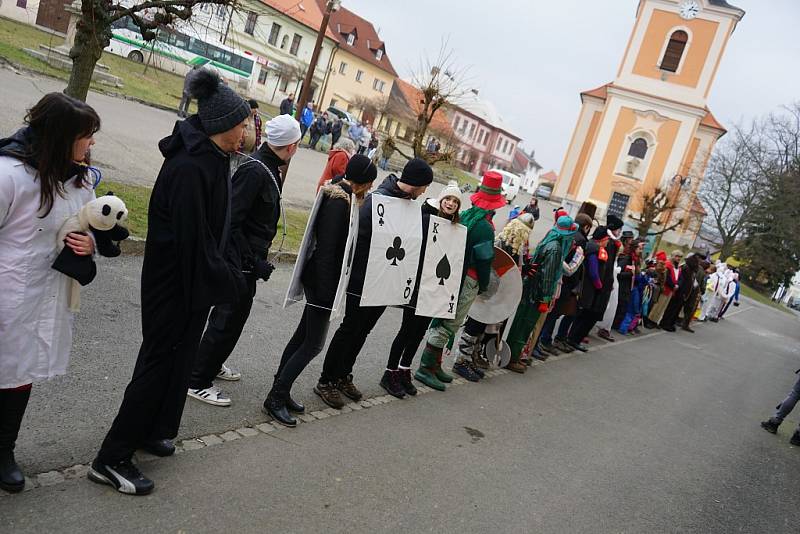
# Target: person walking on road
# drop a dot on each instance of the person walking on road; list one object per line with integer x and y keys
{"x": 681, "y": 296}
{"x": 319, "y": 128}
{"x": 287, "y": 105}
{"x": 533, "y": 208}
{"x": 396, "y": 379}
{"x": 320, "y": 278}
{"x": 336, "y": 131}
{"x": 337, "y": 378}
{"x": 784, "y": 409}
{"x": 255, "y": 212}
{"x": 43, "y": 181}
{"x": 186, "y": 96}
{"x": 184, "y": 274}
{"x": 306, "y": 119}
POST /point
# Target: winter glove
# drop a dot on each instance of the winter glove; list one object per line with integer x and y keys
{"x": 263, "y": 269}
{"x": 543, "y": 307}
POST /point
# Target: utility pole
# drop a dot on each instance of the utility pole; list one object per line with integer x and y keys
{"x": 330, "y": 7}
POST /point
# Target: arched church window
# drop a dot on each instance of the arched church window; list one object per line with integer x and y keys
{"x": 638, "y": 148}
{"x": 674, "y": 52}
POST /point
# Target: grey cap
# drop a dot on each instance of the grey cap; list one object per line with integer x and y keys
{"x": 219, "y": 107}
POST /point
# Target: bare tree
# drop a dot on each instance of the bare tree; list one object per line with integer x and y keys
{"x": 733, "y": 185}
{"x": 655, "y": 204}
{"x": 93, "y": 31}
{"x": 440, "y": 83}
{"x": 371, "y": 106}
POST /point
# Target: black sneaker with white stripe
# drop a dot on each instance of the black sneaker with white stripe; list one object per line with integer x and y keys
{"x": 124, "y": 476}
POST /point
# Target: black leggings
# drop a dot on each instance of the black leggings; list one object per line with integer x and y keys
{"x": 408, "y": 339}
{"x": 306, "y": 343}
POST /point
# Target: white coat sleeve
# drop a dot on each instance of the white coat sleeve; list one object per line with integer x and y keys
{"x": 6, "y": 197}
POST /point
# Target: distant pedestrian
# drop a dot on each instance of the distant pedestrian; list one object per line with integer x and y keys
{"x": 338, "y": 157}
{"x": 287, "y": 105}
{"x": 320, "y": 279}
{"x": 784, "y": 409}
{"x": 533, "y": 208}
{"x": 185, "y": 273}
{"x": 186, "y": 97}
{"x": 680, "y": 300}
{"x": 43, "y": 181}
{"x": 336, "y": 131}
{"x": 354, "y": 133}
{"x": 319, "y": 128}
{"x": 306, "y": 119}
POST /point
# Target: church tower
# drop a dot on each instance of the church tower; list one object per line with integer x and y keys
{"x": 651, "y": 127}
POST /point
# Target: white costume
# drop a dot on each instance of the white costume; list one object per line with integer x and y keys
{"x": 35, "y": 324}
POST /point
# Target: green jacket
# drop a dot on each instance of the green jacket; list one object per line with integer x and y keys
{"x": 480, "y": 252}
{"x": 542, "y": 285}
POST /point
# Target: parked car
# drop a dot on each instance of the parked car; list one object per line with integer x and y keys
{"x": 544, "y": 191}
{"x": 345, "y": 116}
{"x": 511, "y": 183}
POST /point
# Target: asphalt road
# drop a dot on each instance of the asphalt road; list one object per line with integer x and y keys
{"x": 659, "y": 434}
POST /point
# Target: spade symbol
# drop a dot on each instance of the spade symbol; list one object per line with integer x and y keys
{"x": 443, "y": 270}
{"x": 396, "y": 252}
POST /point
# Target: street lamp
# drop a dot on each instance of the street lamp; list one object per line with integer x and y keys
{"x": 330, "y": 7}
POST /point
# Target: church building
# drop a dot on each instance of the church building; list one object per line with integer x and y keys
{"x": 651, "y": 126}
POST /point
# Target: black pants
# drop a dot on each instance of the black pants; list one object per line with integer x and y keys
{"x": 407, "y": 341}
{"x": 315, "y": 137}
{"x": 154, "y": 399}
{"x": 676, "y": 303}
{"x": 307, "y": 341}
{"x": 582, "y": 325}
{"x": 349, "y": 339}
{"x": 225, "y": 325}
{"x": 335, "y": 138}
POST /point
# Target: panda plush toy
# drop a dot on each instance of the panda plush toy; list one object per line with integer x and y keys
{"x": 102, "y": 217}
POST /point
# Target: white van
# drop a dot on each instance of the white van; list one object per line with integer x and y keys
{"x": 511, "y": 184}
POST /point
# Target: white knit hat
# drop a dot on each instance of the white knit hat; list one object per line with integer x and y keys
{"x": 451, "y": 190}
{"x": 282, "y": 131}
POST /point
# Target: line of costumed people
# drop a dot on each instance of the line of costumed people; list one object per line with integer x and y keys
{"x": 213, "y": 216}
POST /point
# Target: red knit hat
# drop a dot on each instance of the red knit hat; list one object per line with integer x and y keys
{"x": 661, "y": 256}
{"x": 559, "y": 212}
{"x": 489, "y": 195}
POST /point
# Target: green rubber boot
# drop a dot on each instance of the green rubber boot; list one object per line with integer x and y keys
{"x": 427, "y": 368}
{"x": 441, "y": 374}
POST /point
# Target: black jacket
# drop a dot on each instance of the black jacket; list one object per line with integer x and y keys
{"x": 321, "y": 274}
{"x": 286, "y": 106}
{"x": 571, "y": 284}
{"x": 256, "y": 205}
{"x": 185, "y": 270}
{"x": 361, "y": 256}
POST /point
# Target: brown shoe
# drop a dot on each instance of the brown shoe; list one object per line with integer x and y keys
{"x": 349, "y": 389}
{"x": 330, "y": 395}
{"x": 517, "y": 367}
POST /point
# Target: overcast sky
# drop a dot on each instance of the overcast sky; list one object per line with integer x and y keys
{"x": 532, "y": 58}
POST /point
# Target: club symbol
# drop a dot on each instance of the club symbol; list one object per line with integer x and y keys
{"x": 443, "y": 270}
{"x": 396, "y": 252}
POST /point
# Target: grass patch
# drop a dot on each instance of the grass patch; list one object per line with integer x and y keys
{"x": 749, "y": 292}
{"x": 446, "y": 171}
{"x": 154, "y": 86}
{"x": 137, "y": 199}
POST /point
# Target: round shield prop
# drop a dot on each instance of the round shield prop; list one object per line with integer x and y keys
{"x": 498, "y": 356}
{"x": 498, "y": 305}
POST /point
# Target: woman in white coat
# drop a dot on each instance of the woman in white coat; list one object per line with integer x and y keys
{"x": 43, "y": 181}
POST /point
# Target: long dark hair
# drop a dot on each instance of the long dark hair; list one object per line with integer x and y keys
{"x": 56, "y": 122}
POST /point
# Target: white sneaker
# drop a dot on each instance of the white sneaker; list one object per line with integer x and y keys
{"x": 211, "y": 396}
{"x": 226, "y": 373}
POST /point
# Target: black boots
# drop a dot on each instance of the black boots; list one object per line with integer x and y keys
{"x": 12, "y": 407}
{"x": 276, "y": 405}
{"x": 771, "y": 425}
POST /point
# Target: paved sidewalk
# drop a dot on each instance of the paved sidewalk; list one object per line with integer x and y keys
{"x": 651, "y": 436}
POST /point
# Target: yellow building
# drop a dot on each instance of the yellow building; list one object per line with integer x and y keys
{"x": 651, "y": 127}
{"x": 361, "y": 71}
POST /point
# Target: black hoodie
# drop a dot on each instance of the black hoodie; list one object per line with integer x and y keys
{"x": 185, "y": 270}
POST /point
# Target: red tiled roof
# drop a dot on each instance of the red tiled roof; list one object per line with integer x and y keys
{"x": 414, "y": 101}
{"x": 367, "y": 43}
{"x": 549, "y": 176}
{"x": 310, "y": 15}
{"x": 710, "y": 121}
{"x": 697, "y": 207}
{"x": 599, "y": 92}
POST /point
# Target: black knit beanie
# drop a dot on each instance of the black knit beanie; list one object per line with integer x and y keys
{"x": 219, "y": 107}
{"x": 417, "y": 173}
{"x": 360, "y": 170}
